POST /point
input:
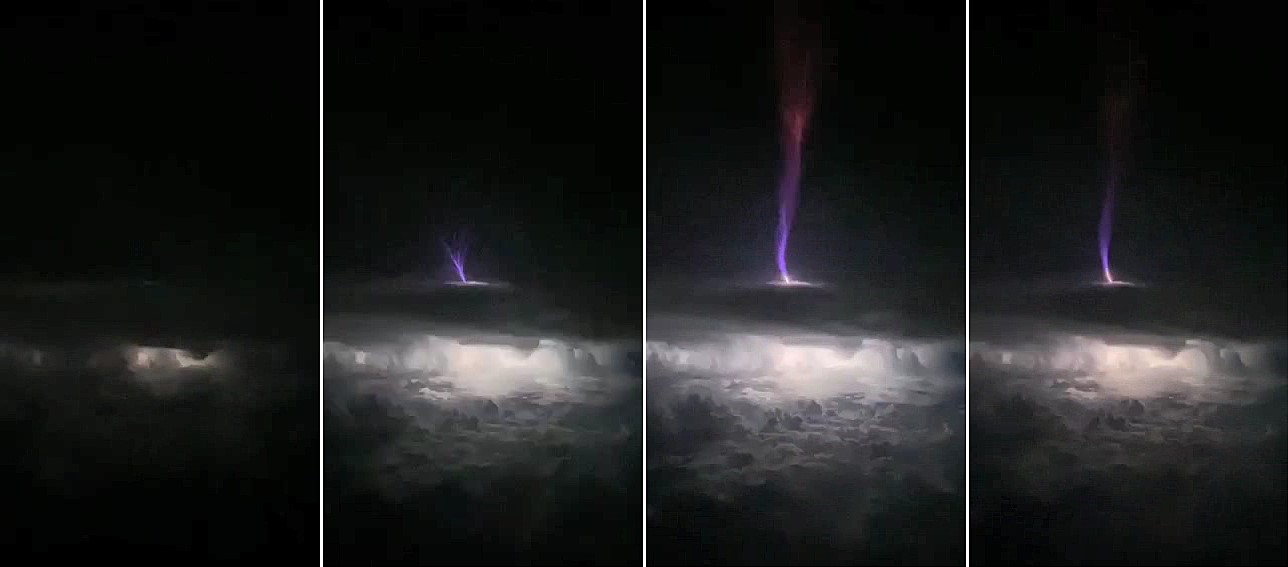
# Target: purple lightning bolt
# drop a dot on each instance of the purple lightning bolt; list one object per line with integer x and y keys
{"x": 796, "y": 104}
{"x": 1115, "y": 108}
{"x": 1116, "y": 112}
{"x": 457, "y": 250}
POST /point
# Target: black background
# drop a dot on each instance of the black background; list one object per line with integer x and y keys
{"x": 162, "y": 140}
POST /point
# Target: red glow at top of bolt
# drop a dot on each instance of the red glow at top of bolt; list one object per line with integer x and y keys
{"x": 797, "y": 54}
{"x": 1126, "y": 77}
{"x": 1116, "y": 109}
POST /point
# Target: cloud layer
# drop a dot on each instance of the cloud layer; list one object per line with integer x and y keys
{"x": 475, "y": 443}
{"x": 1105, "y": 443}
{"x": 792, "y": 435}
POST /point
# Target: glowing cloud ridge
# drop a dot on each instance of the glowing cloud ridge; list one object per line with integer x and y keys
{"x": 1143, "y": 367}
{"x": 773, "y": 369}
{"x": 446, "y": 368}
{"x": 796, "y": 104}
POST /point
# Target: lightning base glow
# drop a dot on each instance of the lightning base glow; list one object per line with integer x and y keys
{"x": 786, "y": 281}
{"x": 468, "y": 283}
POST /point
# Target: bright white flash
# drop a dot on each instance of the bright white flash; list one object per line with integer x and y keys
{"x": 489, "y": 370}
{"x": 1141, "y": 369}
{"x": 815, "y": 367}
{"x": 144, "y": 358}
{"x": 788, "y": 281}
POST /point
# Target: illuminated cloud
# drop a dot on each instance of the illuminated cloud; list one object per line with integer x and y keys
{"x": 1139, "y": 366}
{"x": 146, "y": 359}
{"x": 813, "y": 366}
{"x": 738, "y": 403}
{"x": 144, "y": 362}
{"x": 485, "y": 406}
{"x": 494, "y": 368}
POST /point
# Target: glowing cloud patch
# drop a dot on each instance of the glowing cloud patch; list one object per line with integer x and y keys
{"x": 143, "y": 359}
{"x": 550, "y": 368}
{"x": 1108, "y": 282}
{"x": 24, "y": 355}
{"x": 766, "y": 367}
{"x": 1200, "y": 369}
{"x": 790, "y": 282}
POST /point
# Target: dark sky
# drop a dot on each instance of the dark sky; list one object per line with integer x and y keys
{"x": 1205, "y": 183}
{"x": 160, "y": 139}
{"x": 882, "y": 188}
{"x": 516, "y": 122}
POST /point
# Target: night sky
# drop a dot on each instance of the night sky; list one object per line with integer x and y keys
{"x": 1204, "y": 189}
{"x": 162, "y": 141}
{"x": 882, "y": 187}
{"x": 517, "y": 124}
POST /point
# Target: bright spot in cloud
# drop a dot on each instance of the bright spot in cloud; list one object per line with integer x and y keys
{"x": 148, "y": 359}
{"x": 1142, "y": 367}
{"x": 816, "y": 366}
{"x": 506, "y": 367}
{"x": 793, "y": 282}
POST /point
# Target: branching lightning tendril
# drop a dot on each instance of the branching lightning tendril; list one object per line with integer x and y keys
{"x": 457, "y": 251}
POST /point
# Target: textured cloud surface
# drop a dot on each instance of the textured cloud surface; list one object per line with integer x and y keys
{"x": 479, "y": 442}
{"x": 1126, "y": 441}
{"x": 803, "y": 442}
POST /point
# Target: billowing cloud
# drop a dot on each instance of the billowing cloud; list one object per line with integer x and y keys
{"x": 788, "y": 431}
{"x": 1122, "y": 443}
{"x": 520, "y": 432}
